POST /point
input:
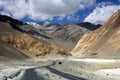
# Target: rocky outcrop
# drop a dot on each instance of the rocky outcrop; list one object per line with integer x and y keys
{"x": 37, "y": 48}
{"x": 71, "y": 33}
{"x": 103, "y": 41}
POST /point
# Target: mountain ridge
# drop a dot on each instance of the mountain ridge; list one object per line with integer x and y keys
{"x": 73, "y": 32}
{"x": 18, "y": 41}
{"x": 103, "y": 41}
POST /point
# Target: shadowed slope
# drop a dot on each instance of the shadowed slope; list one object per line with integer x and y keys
{"x": 7, "y": 51}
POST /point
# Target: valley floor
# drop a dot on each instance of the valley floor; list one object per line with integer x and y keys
{"x": 64, "y": 69}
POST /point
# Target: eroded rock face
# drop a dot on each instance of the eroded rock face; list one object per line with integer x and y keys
{"x": 37, "y": 48}
{"x": 105, "y": 40}
{"x": 71, "y": 33}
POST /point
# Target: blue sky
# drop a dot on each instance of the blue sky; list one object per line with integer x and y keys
{"x": 60, "y": 11}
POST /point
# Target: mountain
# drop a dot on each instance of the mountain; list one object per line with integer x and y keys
{"x": 104, "y": 41}
{"x": 73, "y": 32}
{"x": 34, "y": 25}
{"x": 33, "y": 46}
{"x": 70, "y": 33}
{"x": 49, "y": 27}
{"x": 20, "y": 41}
{"x": 8, "y": 52}
{"x": 89, "y": 26}
{"x": 42, "y": 33}
{"x": 48, "y": 24}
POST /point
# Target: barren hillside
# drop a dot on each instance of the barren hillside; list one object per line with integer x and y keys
{"x": 7, "y": 51}
{"x": 16, "y": 43}
{"x": 103, "y": 41}
{"x": 73, "y": 32}
{"x": 35, "y": 47}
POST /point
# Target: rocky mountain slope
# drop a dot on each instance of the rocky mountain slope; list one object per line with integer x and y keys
{"x": 8, "y": 52}
{"x": 17, "y": 41}
{"x": 73, "y": 32}
{"x": 49, "y": 27}
{"x": 70, "y": 33}
{"x": 33, "y": 46}
{"x": 55, "y": 33}
{"x": 103, "y": 41}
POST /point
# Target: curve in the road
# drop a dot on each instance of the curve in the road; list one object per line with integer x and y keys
{"x": 65, "y": 75}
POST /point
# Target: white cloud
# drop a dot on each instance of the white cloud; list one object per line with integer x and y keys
{"x": 101, "y": 4}
{"x": 72, "y": 17}
{"x": 43, "y": 9}
{"x": 16, "y": 8}
{"x": 5, "y": 13}
{"x": 101, "y": 13}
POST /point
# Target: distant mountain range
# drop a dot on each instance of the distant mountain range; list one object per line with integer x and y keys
{"x": 56, "y": 34}
{"x": 89, "y": 26}
{"x": 17, "y": 39}
{"x": 91, "y": 39}
{"x": 68, "y": 32}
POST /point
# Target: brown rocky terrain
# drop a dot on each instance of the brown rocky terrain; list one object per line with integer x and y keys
{"x": 73, "y": 32}
{"x": 70, "y": 33}
{"x": 8, "y": 52}
{"x": 103, "y": 41}
{"x": 16, "y": 42}
{"x": 33, "y": 46}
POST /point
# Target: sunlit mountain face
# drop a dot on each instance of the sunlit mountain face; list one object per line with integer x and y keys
{"x": 60, "y": 11}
